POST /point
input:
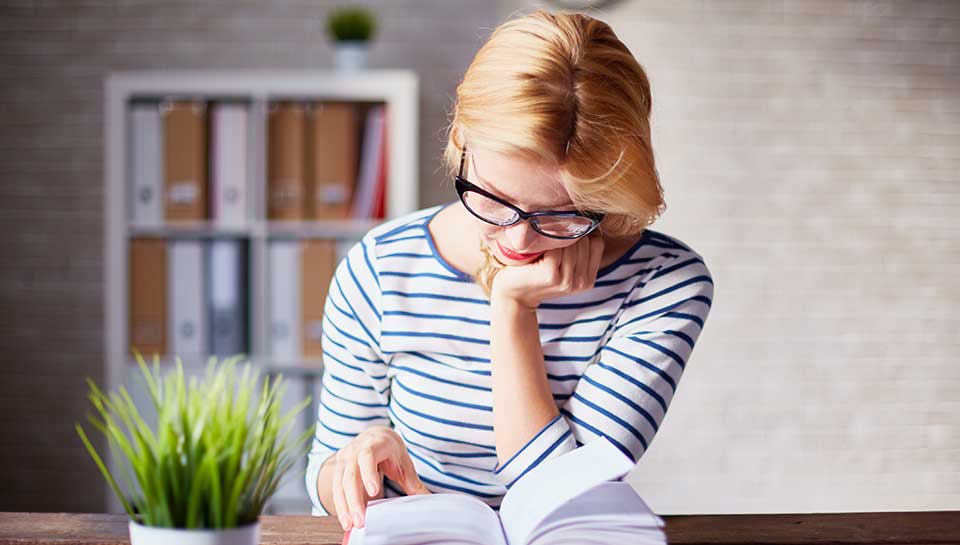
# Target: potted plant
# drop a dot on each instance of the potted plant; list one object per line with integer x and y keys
{"x": 203, "y": 472}
{"x": 351, "y": 28}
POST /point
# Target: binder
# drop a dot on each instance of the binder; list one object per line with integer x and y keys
{"x": 363, "y": 203}
{"x": 226, "y": 289}
{"x": 332, "y": 160}
{"x": 319, "y": 263}
{"x": 380, "y": 194}
{"x": 285, "y": 331}
{"x": 286, "y": 169}
{"x": 187, "y": 324}
{"x": 148, "y": 303}
{"x": 185, "y": 161}
{"x": 146, "y": 167}
{"x": 228, "y": 184}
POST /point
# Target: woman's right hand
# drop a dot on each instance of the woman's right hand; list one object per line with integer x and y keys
{"x": 360, "y": 465}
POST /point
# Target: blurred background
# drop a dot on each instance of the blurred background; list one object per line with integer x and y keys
{"x": 809, "y": 150}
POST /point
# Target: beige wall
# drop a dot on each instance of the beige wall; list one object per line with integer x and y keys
{"x": 811, "y": 152}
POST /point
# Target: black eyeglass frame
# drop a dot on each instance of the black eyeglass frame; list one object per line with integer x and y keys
{"x": 463, "y": 185}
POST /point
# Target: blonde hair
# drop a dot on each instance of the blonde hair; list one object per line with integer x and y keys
{"x": 562, "y": 88}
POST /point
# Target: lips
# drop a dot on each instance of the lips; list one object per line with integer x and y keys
{"x": 516, "y": 255}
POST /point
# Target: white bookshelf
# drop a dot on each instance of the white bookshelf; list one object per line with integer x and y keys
{"x": 396, "y": 88}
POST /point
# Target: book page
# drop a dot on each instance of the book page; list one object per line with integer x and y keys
{"x": 557, "y": 481}
{"x": 609, "y": 513}
{"x": 423, "y": 519}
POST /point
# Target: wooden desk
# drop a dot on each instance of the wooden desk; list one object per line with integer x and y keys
{"x": 897, "y": 528}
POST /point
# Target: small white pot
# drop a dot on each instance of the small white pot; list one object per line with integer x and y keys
{"x": 351, "y": 54}
{"x": 152, "y": 535}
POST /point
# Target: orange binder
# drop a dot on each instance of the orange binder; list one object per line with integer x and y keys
{"x": 148, "y": 296}
{"x": 318, "y": 262}
{"x": 286, "y": 184}
{"x": 185, "y": 161}
{"x": 332, "y": 155}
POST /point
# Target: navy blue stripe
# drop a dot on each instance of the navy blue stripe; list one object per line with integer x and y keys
{"x": 678, "y": 266}
{"x": 626, "y": 425}
{"x": 542, "y": 457}
{"x": 631, "y": 404}
{"x": 348, "y": 400}
{"x": 327, "y": 354}
{"x": 353, "y": 311}
{"x": 438, "y": 317}
{"x": 438, "y": 362}
{"x": 663, "y": 374}
{"x": 485, "y": 408}
{"x": 442, "y": 380}
{"x": 691, "y": 317}
{"x": 440, "y": 471}
{"x": 407, "y": 254}
{"x": 598, "y": 433}
{"x": 420, "y": 275}
{"x": 415, "y": 295}
{"x": 428, "y": 335}
{"x": 653, "y": 393}
{"x": 542, "y": 431}
{"x": 351, "y": 417}
{"x": 671, "y": 289}
{"x": 618, "y": 295}
{"x": 370, "y": 267}
{"x": 459, "y": 488}
{"x": 413, "y": 224}
{"x": 363, "y": 292}
{"x": 397, "y": 418}
{"x": 391, "y": 241}
{"x": 676, "y": 357}
{"x": 454, "y": 423}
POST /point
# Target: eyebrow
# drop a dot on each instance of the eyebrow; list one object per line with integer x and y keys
{"x": 490, "y": 188}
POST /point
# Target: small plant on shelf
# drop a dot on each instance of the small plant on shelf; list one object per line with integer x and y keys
{"x": 351, "y": 23}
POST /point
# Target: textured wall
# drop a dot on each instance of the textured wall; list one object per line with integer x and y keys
{"x": 54, "y": 56}
{"x": 811, "y": 152}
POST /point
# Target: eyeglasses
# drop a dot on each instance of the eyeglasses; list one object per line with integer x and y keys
{"x": 494, "y": 210}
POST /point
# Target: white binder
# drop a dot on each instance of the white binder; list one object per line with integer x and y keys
{"x": 146, "y": 164}
{"x": 187, "y": 319}
{"x": 226, "y": 284}
{"x": 229, "y": 164}
{"x": 363, "y": 203}
{"x": 286, "y": 341}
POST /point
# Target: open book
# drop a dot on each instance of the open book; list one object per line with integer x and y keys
{"x": 577, "y": 498}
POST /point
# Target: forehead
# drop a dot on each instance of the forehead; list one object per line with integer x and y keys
{"x": 527, "y": 183}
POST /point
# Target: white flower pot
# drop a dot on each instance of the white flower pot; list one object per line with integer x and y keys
{"x": 351, "y": 54}
{"x": 152, "y": 535}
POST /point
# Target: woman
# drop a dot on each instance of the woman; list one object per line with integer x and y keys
{"x": 467, "y": 343}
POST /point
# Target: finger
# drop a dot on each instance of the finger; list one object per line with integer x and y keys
{"x": 568, "y": 265}
{"x": 552, "y": 260}
{"x": 353, "y": 491}
{"x": 404, "y": 473}
{"x": 339, "y": 501}
{"x": 368, "y": 470}
{"x": 582, "y": 267}
{"x": 596, "y": 256}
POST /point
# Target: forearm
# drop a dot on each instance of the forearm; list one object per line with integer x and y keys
{"x": 522, "y": 400}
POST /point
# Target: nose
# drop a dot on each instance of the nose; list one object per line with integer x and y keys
{"x": 521, "y": 237}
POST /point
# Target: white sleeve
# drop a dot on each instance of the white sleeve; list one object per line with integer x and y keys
{"x": 355, "y": 389}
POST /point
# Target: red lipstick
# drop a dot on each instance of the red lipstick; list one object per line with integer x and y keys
{"x": 515, "y": 255}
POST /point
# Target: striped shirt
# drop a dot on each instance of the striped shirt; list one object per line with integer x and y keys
{"x": 406, "y": 345}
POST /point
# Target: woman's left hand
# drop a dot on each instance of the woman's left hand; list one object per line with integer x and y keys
{"x": 556, "y": 273}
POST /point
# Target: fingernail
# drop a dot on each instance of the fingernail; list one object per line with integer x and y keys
{"x": 344, "y": 523}
{"x": 358, "y": 520}
{"x": 371, "y": 488}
